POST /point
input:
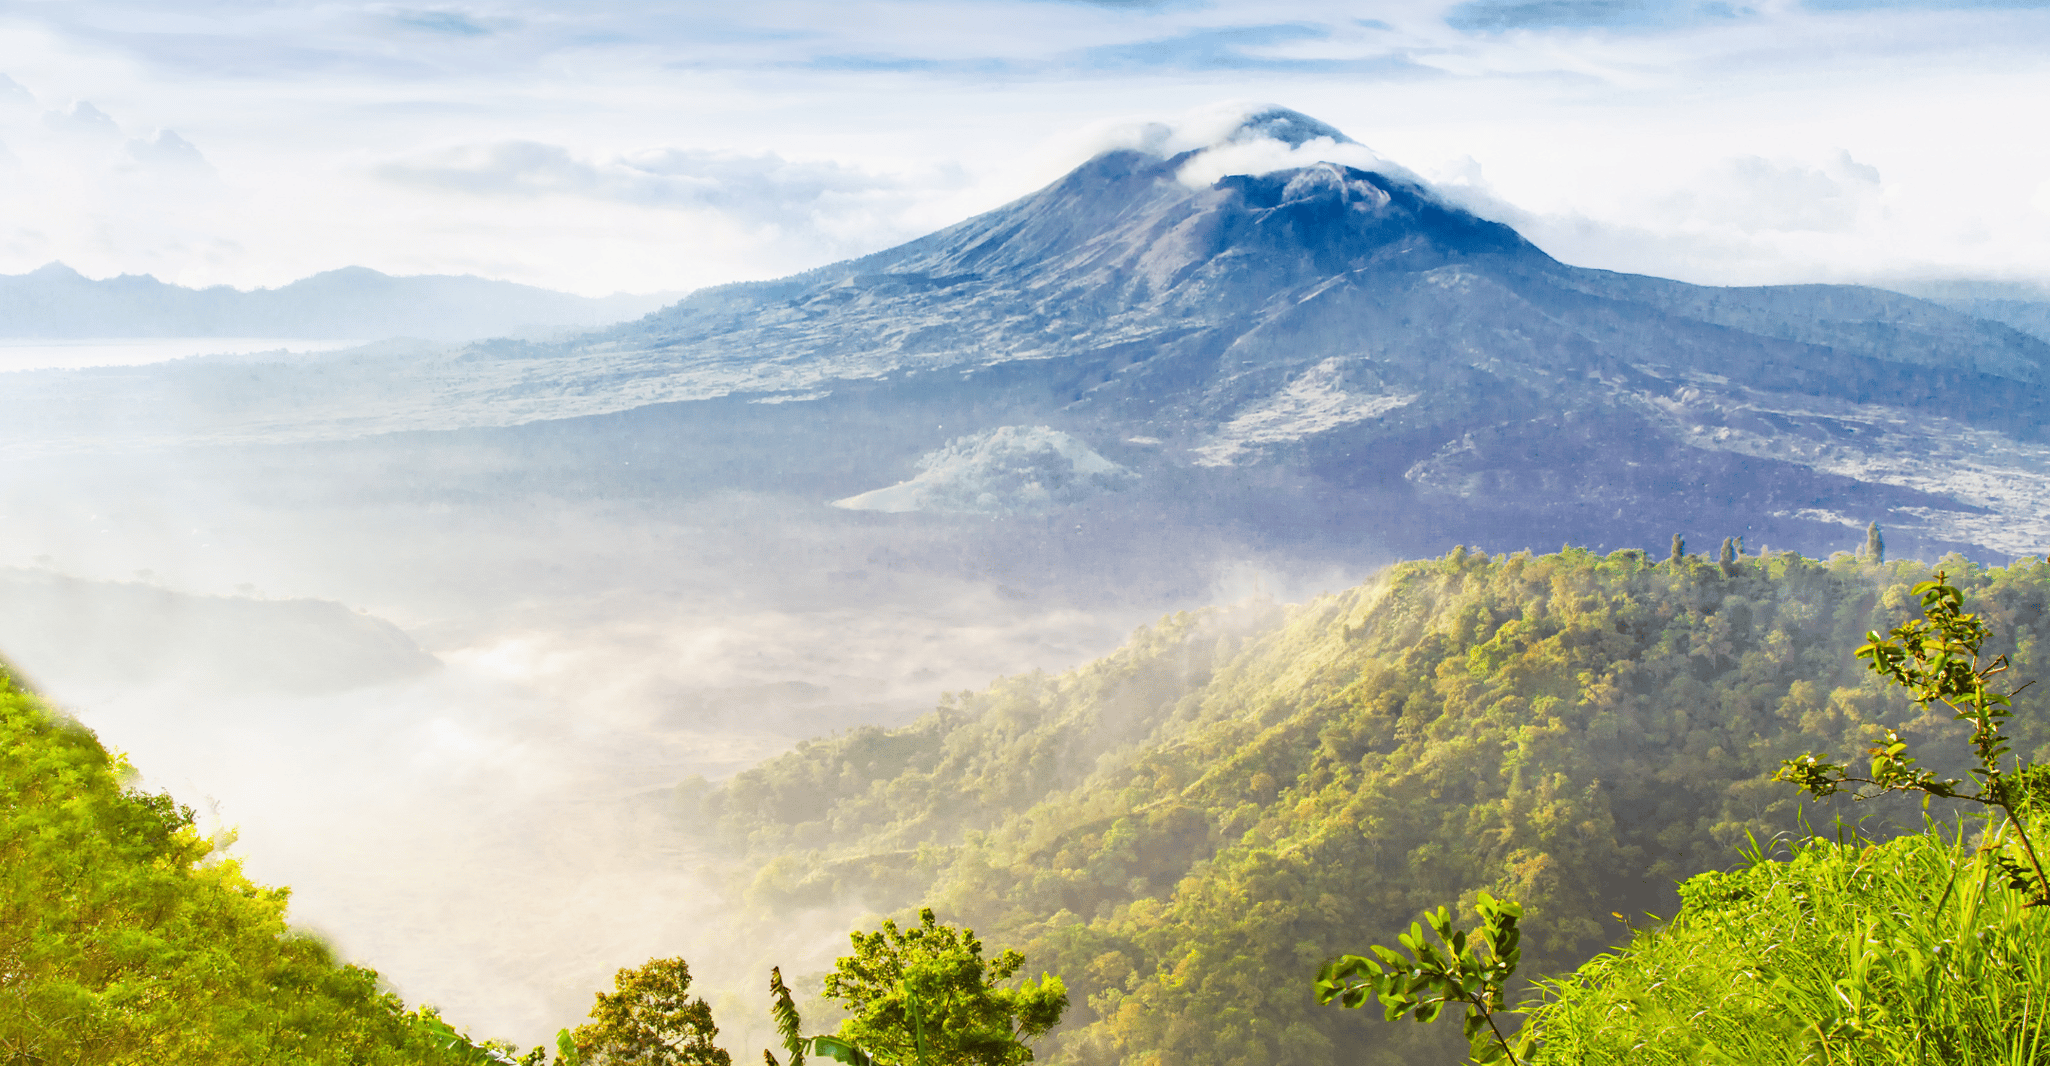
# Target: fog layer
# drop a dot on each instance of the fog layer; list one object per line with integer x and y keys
{"x": 444, "y": 691}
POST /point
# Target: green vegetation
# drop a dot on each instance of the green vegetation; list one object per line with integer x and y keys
{"x": 1186, "y": 828}
{"x": 923, "y": 996}
{"x": 1910, "y": 951}
{"x": 926, "y": 995}
{"x": 1848, "y": 953}
{"x": 1454, "y": 972}
{"x": 1189, "y": 827}
{"x": 1939, "y": 659}
{"x": 649, "y": 1019}
{"x": 126, "y": 941}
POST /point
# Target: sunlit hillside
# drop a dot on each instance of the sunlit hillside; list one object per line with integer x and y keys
{"x": 1186, "y": 829}
{"x": 128, "y": 940}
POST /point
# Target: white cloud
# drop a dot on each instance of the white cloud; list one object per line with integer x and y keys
{"x": 1266, "y": 156}
{"x": 1239, "y": 137}
{"x": 83, "y": 118}
{"x": 1752, "y": 194}
{"x": 754, "y": 188}
{"x": 792, "y": 134}
{"x": 168, "y": 151}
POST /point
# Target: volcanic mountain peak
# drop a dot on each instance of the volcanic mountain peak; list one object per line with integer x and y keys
{"x": 1270, "y": 197}
{"x": 1292, "y": 128}
{"x": 1262, "y": 139}
{"x": 1259, "y": 293}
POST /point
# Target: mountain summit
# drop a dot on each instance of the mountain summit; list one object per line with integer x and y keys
{"x": 1279, "y": 295}
{"x": 1283, "y": 339}
{"x": 1292, "y": 128}
{"x": 1125, "y": 250}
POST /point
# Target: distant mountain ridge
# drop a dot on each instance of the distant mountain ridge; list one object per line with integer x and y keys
{"x": 354, "y": 303}
{"x": 1307, "y": 355}
{"x": 2024, "y": 306}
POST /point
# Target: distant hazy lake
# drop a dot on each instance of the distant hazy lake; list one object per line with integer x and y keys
{"x": 45, "y": 353}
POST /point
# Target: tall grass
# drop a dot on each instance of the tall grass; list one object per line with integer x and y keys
{"x": 1844, "y": 952}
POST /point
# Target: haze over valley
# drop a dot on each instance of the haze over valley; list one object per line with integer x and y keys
{"x": 469, "y": 586}
{"x": 531, "y": 584}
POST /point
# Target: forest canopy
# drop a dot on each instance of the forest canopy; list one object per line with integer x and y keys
{"x": 1186, "y": 829}
{"x": 1183, "y": 831}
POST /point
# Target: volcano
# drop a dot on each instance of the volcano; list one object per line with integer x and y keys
{"x": 1338, "y": 331}
{"x": 1276, "y": 340}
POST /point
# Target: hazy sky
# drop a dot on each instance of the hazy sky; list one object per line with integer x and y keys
{"x": 597, "y": 146}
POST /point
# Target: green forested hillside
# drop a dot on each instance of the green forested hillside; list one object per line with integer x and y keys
{"x": 1187, "y": 828}
{"x": 125, "y": 941}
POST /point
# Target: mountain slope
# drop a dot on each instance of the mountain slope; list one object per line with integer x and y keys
{"x": 2025, "y": 307}
{"x": 1185, "y": 829}
{"x": 127, "y": 941}
{"x": 1283, "y": 355}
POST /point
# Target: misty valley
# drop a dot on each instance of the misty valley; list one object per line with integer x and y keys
{"x": 1120, "y": 611}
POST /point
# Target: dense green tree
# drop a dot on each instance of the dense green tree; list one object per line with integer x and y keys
{"x": 650, "y": 1019}
{"x": 925, "y": 996}
{"x": 1875, "y": 545}
{"x": 1679, "y": 550}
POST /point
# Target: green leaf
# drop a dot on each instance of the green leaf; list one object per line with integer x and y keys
{"x": 832, "y": 1047}
{"x": 788, "y": 1025}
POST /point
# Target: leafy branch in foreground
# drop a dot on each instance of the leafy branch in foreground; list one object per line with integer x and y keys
{"x": 1937, "y": 658}
{"x": 790, "y": 1030}
{"x": 923, "y": 996}
{"x": 649, "y": 1020}
{"x": 1433, "y": 977}
{"x": 460, "y": 1048}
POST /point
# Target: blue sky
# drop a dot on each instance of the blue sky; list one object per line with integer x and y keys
{"x": 598, "y": 146}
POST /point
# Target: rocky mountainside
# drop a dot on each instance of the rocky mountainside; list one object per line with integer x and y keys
{"x": 1323, "y": 352}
